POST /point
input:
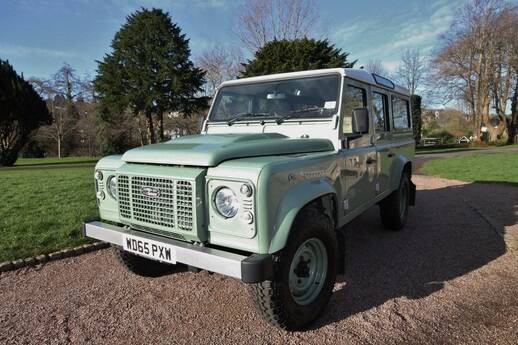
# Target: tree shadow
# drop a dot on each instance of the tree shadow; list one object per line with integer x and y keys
{"x": 445, "y": 238}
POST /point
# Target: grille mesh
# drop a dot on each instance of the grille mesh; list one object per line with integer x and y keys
{"x": 171, "y": 208}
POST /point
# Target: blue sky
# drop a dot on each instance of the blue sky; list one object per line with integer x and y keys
{"x": 38, "y": 36}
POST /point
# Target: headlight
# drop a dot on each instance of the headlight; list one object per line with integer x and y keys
{"x": 112, "y": 187}
{"x": 226, "y": 202}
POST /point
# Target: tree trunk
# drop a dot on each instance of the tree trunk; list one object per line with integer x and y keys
{"x": 150, "y": 128}
{"x": 59, "y": 146}
{"x": 512, "y": 123}
{"x": 161, "y": 126}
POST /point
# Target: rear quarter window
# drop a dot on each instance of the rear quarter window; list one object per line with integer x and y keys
{"x": 400, "y": 113}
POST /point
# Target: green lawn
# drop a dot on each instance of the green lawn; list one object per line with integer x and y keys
{"x": 42, "y": 209}
{"x": 488, "y": 167}
{"x": 55, "y": 160}
{"x": 432, "y": 149}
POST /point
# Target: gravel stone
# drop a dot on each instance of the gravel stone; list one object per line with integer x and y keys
{"x": 449, "y": 277}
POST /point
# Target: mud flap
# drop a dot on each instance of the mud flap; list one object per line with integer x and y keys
{"x": 412, "y": 193}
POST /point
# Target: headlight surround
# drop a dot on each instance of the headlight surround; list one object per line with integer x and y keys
{"x": 112, "y": 187}
{"x": 226, "y": 202}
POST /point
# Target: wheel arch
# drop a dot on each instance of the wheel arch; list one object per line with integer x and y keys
{"x": 400, "y": 166}
{"x": 318, "y": 192}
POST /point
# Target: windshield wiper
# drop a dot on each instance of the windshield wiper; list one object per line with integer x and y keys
{"x": 245, "y": 116}
{"x": 296, "y": 112}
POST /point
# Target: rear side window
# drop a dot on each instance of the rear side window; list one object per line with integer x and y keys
{"x": 380, "y": 110}
{"x": 400, "y": 113}
{"x": 355, "y": 97}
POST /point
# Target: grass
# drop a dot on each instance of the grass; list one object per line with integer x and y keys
{"x": 42, "y": 208}
{"x": 55, "y": 161}
{"x": 489, "y": 167}
{"x": 433, "y": 150}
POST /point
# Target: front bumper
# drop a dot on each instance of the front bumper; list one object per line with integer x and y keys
{"x": 250, "y": 269}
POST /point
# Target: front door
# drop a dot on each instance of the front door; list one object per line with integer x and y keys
{"x": 359, "y": 163}
{"x": 383, "y": 137}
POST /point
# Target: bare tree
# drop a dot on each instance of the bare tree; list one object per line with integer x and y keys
{"x": 60, "y": 93}
{"x": 376, "y": 67}
{"x": 477, "y": 62}
{"x": 262, "y": 21}
{"x": 411, "y": 71}
{"x": 220, "y": 64}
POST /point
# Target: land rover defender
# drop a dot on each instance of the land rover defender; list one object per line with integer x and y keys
{"x": 282, "y": 162}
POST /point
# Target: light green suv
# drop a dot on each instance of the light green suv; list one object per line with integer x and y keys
{"x": 282, "y": 163}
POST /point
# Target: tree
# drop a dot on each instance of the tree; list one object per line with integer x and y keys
{"x": 295, "y": 55}
{"x": 149, "y": 71}
{"x": 415, "y": 103}
{"x": 411, "y": 71}
{"x": 477, "y": 62}
{"x": 61, "y": 92}
{"x": 376, "y": 67}
{"x": 21, "y": 111}
{"x": 262, "y": 21}
{"x": 219, "y": 64}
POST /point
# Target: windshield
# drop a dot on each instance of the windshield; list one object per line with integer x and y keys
{"x": 310, "y": 97}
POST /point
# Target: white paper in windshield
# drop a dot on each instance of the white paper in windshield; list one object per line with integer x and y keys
{"x": 330, "y": 105}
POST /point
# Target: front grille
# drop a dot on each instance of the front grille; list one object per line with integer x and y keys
{"x": 170, "y": 205}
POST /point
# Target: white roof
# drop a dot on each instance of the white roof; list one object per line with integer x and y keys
{"x": 357, "y": 74}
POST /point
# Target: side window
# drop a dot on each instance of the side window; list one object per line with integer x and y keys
{"x": 400, "y": 113}
{"x": 380, "y": 110}
{"x": 355, "y": 97}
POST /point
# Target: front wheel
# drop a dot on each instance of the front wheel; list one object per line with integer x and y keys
{"x": 304, "y": 274}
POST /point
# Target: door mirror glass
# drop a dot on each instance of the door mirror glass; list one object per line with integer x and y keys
{"x": 360, "y": 121}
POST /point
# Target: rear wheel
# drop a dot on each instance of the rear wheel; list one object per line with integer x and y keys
{"x": 394, "y": 208}
{"x": 141, "y": 266}
{"x": 304, "y": 274}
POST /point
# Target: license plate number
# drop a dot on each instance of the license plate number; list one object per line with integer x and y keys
{"x": 149, "y": 248}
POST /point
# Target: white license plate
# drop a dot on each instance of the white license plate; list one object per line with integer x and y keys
{"x": 149, "y": 248}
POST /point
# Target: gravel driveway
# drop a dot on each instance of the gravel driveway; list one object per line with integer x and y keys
{"x": 450, "y": 277}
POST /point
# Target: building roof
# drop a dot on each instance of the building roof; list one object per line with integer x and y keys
{"x": 357, "y": 74}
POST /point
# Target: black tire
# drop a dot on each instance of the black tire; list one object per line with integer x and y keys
{"x": 140, "y": 265}
{"x": 394, "y": 208}
{"x": 273, "y": 298}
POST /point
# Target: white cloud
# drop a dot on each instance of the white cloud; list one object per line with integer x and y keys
{"x": 385, "y": 37}
{"x": 22, "y": 51}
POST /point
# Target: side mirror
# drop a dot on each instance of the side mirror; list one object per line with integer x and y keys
{"x": 361, "y": 120}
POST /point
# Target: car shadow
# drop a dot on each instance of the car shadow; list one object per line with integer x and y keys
{"x": 445, "y": 238}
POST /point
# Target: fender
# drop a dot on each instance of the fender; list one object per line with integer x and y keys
{"x": 396, "y": 170}
{"x": 297, "y": 197}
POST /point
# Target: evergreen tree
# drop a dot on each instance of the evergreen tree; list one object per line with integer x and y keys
{"x": 21, "y": 111}
{"x": 415, "y": 101}
{"x": 149, "y": 70}
{"x": 295, "y": 55}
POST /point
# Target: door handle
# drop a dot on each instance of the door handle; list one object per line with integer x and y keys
{"x": 391, "y": 154}
{"x": 371, "y": 160}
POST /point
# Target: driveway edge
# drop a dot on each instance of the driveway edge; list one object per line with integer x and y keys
{"x": 44, "y": 258}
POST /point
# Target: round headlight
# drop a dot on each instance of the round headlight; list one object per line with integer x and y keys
{"x": 226, "y": 202}
{"x": 112, "y": 187}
